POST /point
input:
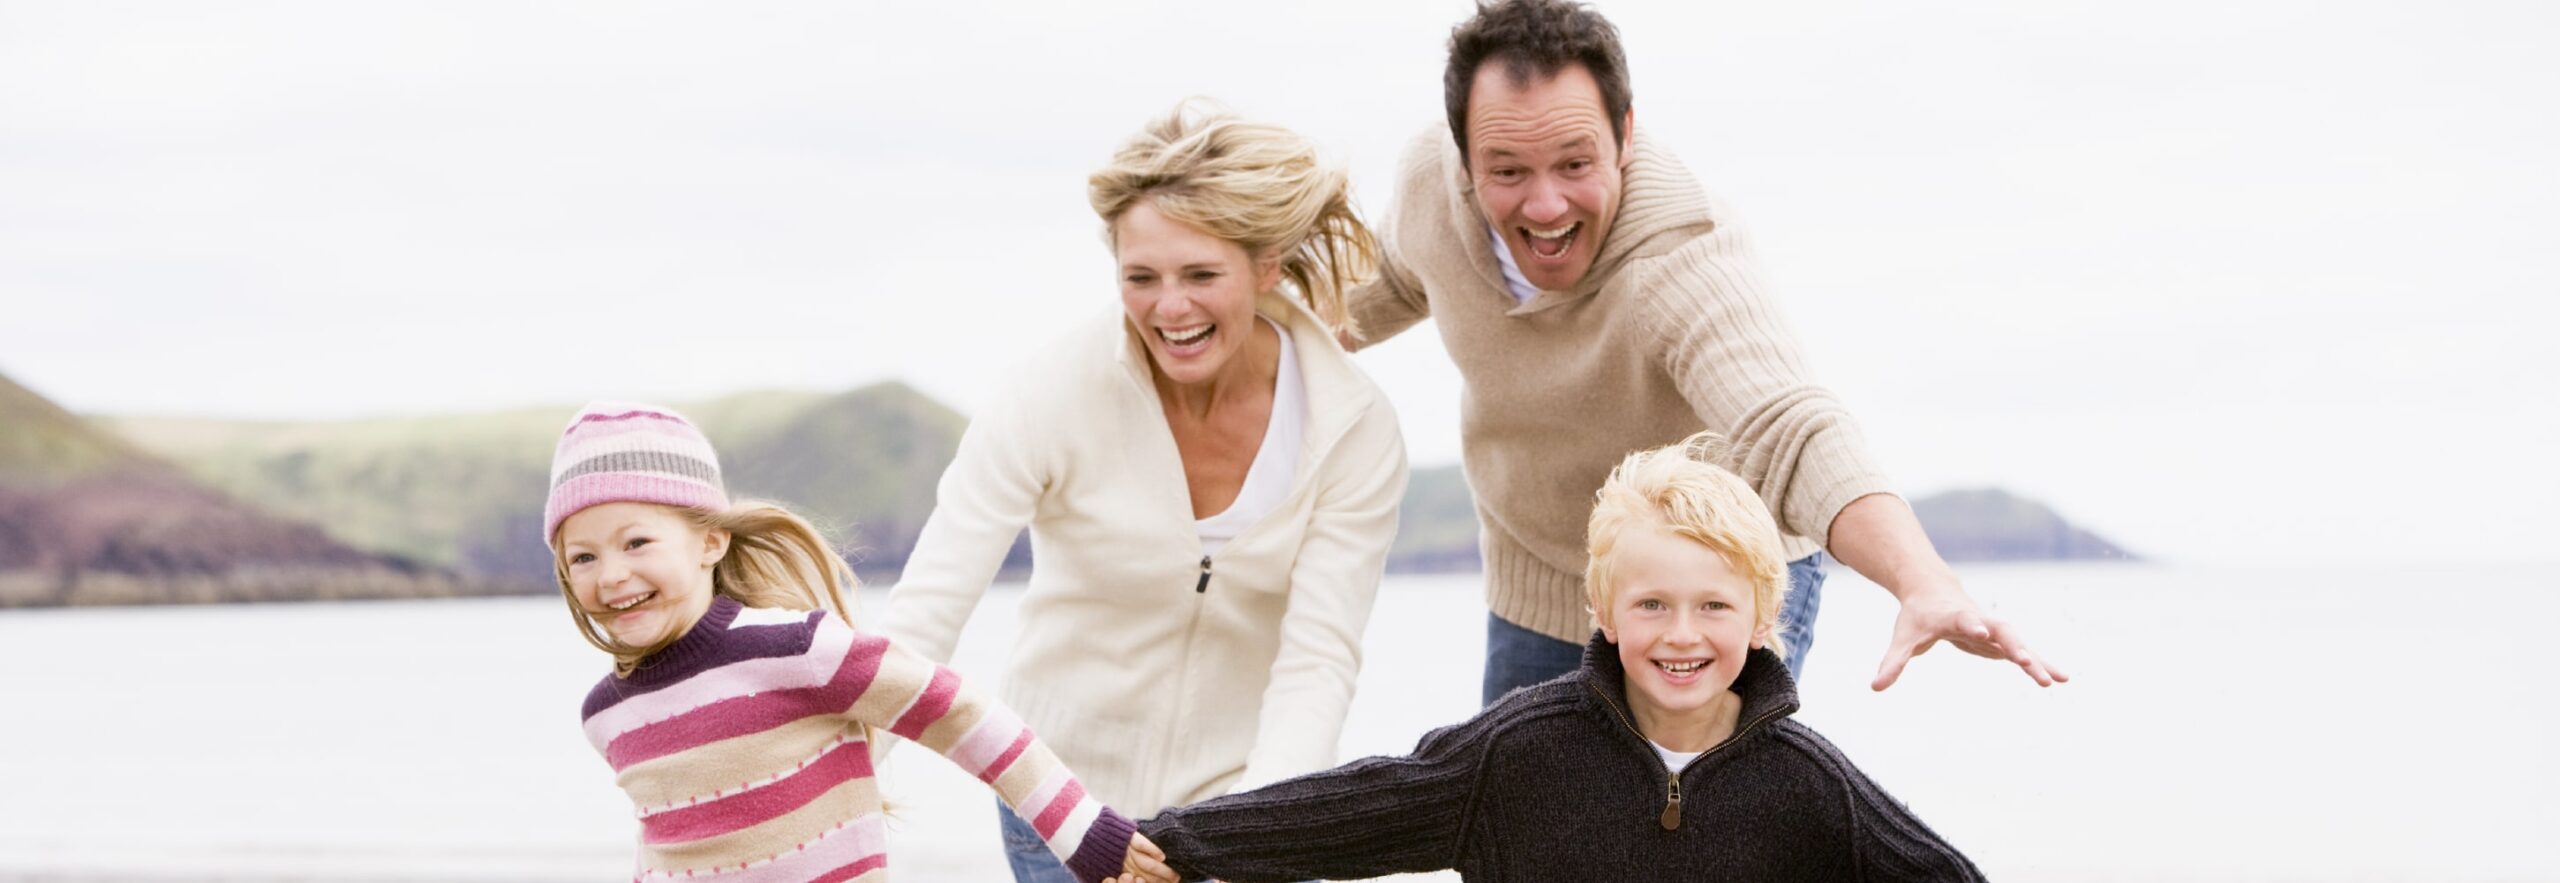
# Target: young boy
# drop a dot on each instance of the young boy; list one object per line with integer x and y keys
{"x": 1667, "y": 756}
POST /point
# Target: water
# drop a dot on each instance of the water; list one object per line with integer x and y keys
{"x": 2308, "y": 724}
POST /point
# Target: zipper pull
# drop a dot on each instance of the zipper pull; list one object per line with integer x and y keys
{"x": 1203, "y": 587}
{"x": 1671, "y": 810}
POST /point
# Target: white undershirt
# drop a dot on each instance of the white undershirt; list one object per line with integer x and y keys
{"x": 1521, "y": 290}
{"x": 1275, "y": 466}
{"x": 1673, "y": 759}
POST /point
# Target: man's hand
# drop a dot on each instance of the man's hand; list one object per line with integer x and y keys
{"x": 1877, "y": 536}
{"x": 1945, "y": 613}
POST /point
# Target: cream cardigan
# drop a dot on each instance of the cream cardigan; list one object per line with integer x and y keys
{"x": 1669, "y": 333}
{"x": 1160, "y": 676}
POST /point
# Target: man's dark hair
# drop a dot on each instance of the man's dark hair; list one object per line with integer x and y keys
{"x": 1535, "y": 38}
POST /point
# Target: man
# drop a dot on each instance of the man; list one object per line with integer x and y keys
{"x": 1597, "y": 302}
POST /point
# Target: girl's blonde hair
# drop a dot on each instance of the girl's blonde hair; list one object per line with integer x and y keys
{"x": 1257, "y": 185}
{"x": 775, "y": 559}
{"x": 1682, "y": 489}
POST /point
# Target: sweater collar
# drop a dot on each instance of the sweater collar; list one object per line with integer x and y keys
{"x": 687, "y": 653}
{"x": 1661, "y": 207}
{"x": 1766, "y": 689}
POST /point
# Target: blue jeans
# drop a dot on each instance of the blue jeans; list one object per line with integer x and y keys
{"x": 1516, "y": 657}
{"x": 1028, "y": 854}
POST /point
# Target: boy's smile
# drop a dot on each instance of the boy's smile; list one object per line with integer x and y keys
{"x": 1682, "y": 620}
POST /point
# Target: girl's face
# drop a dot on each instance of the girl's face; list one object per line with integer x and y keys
{"x": 640, "y": 570}
{"x": 1188, "y": 293}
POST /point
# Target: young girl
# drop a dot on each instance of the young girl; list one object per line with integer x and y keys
{"x": 739, "y": 714}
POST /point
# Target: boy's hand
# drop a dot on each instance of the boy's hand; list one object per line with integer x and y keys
{"x": 1145, "y": 863}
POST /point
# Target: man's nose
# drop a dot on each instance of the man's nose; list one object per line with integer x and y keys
{"x": 1546, "y": 203}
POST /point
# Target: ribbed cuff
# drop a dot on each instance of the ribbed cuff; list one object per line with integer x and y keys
{"x": 1831, "y": 472}
{"x": 1526, "y": 592}
{"x": 1105, "y": 846}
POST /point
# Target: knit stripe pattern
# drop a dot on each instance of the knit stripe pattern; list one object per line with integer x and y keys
{"x": 744, "y": 749}
{"x": 1669, "y": 333}
{"x": 614, "y": 452}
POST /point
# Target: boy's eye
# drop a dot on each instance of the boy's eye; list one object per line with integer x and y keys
{"x": 1138, "y": 278}
{"x": 636, "y": 542}
{"x": 1649, "y": 604}
{"x": 1203, "y": 275}
{"x": 1718, "y": 605}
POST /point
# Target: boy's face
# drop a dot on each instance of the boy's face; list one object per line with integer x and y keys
{"x": 1683, "y": 621}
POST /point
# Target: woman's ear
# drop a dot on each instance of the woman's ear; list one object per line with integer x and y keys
{"x": 715, "y": 546}
{"x": 1266, "y": 275}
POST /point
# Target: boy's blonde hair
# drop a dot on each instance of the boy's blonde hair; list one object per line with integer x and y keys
{"x": 775, "y": 559}
{"x": 1683, "y": 489}
{"x": 1257, "y": 185}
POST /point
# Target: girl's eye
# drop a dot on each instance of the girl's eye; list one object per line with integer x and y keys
{"x": 636, "y": 542}
{"x": 580, "y": 558}
{"x": 1203, "y": 276}
{"x": 1138, "y": 279}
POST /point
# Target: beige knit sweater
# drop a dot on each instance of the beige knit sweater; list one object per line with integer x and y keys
{"x": 1668, "y": 334}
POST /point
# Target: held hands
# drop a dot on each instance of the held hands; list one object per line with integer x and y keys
{"x": 1941, "y": 611}
{"x": 1144, "y": 864}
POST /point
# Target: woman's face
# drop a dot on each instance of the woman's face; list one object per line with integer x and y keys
{"x": 1189, "y": 294}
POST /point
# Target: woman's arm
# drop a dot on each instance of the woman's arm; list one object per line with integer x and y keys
{"x": 985, "y": 499}
{"x": 1332, "y": 586}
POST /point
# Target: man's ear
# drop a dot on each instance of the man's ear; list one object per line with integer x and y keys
{"x": 715, "y": 546}
{"x": 1627, "y": 142}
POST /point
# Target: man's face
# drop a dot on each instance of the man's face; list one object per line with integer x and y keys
{"x": 1548, "y": 174}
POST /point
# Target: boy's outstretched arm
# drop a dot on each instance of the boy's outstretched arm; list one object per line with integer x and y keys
{"x": 1367, "y": 818}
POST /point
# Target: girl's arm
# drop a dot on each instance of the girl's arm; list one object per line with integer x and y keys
{"x": 1332, "y": 587}
{"x": 908, "y": 695}
{"x": 1367, "y": 818}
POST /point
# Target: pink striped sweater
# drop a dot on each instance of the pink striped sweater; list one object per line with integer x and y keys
{"x": 742, "y": 747}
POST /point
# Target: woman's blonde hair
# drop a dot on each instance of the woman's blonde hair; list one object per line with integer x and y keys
{"x": 775, "y": 559}
{"x": 1682, "y": 489}
{"x": 1257, "y": 185}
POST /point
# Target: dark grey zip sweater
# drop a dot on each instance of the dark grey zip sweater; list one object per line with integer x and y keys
{"x": 1554, "y": 783}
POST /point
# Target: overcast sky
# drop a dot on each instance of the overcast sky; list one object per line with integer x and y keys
{"x": 2264, "y": 283}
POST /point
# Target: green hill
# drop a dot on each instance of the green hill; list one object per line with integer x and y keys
{"x": 43, "y": 445}
{"x": 466, "y": 491}
{"x": 85, "y": 518}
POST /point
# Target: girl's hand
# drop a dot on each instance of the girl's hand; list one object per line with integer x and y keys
{"x": 1145, "y": 863}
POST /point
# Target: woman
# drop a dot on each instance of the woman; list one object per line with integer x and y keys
{"x": 1209, "y": 483}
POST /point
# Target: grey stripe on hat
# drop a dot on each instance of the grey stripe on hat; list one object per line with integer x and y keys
{"x": 644, "y": 461}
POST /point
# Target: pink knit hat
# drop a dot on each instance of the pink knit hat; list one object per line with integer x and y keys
{"x": 616, "y": 452}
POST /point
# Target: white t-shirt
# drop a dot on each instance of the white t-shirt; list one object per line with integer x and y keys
{"x": 1521, "y": 290}
{"x": 1275, "y": 466}
{"x": 1673, "y": 759}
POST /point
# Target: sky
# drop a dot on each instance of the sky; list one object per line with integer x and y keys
{"x": 2258, "y": 283}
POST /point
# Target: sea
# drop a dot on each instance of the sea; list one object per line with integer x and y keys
{"x": 2222, "y": 723}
